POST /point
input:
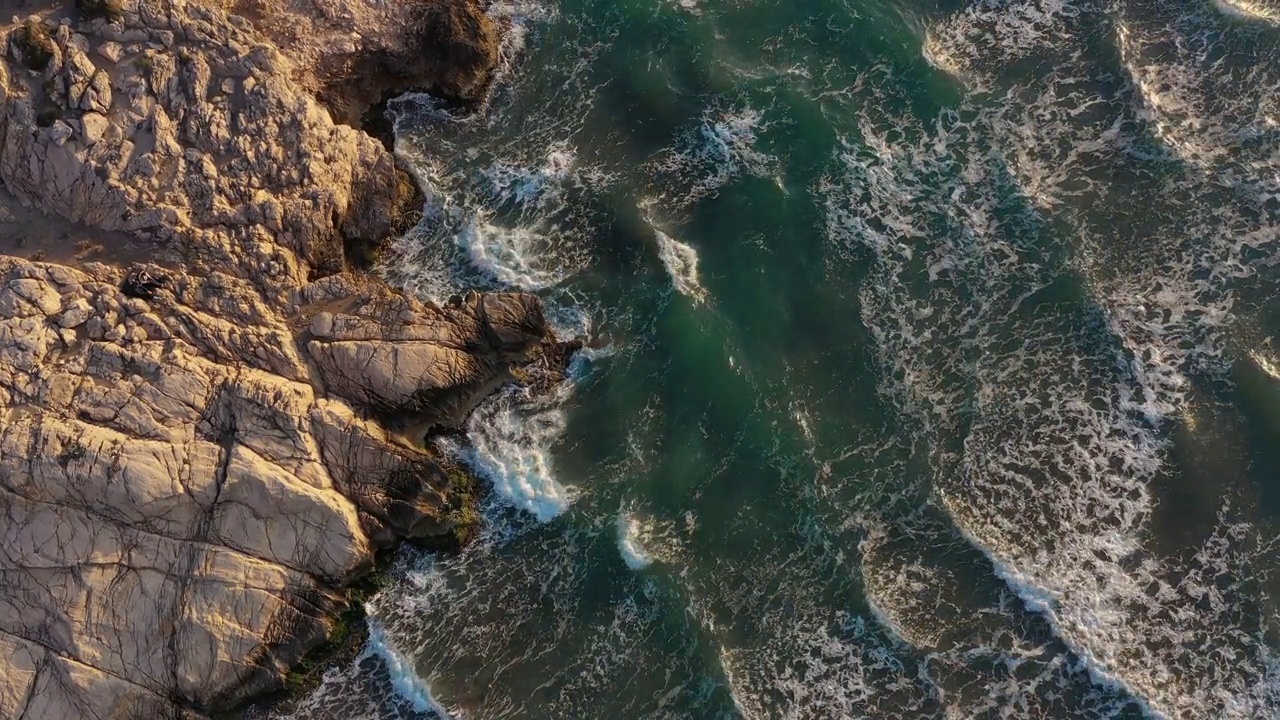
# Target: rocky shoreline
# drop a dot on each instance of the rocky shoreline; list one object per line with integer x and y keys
{"x": 192, "y": 477}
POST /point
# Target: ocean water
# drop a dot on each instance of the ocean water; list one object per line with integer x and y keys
{"x": 935, "y": 369}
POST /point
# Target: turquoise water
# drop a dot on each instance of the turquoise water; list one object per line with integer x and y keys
{"x": 935, "y": 370}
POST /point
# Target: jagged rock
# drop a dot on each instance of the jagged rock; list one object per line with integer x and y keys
{"x": 450, "y": 48}
{"x": 233, "y": 487}
{"x": 427, "y": 362}
{"x": 79, "y": 71}
{"x": 97, "y": 96}
{"x": 186, "y": 482}
{"x": 59, "y": 133}
{"x": 111, "y": 51}
{"x": 464, "y": 46}
{"x": 322, "y": 325}
{"x": 43, "y": 298}
{"x": 93, "y": 127}
{"x": 76, "y": 315}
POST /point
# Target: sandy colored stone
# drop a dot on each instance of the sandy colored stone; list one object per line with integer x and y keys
{"x": 187, "y": 481}
{"x": 151, "y": 485}
{"x": 94, "y": 126}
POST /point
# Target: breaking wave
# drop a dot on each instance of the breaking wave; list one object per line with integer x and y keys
{"x": 631, "y": 532}
{"x": 643, "y": 539}
{"x": 510, "y": 440}
{"x": 508, "y": 255}
{"x": 1264, "y": 10}
{"x": 681, "y": 263}
{"x": 403, "y": 679}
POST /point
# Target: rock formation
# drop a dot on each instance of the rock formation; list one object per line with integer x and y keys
{"x": 187, "y": 482}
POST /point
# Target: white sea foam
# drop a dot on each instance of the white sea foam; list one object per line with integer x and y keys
{"x": 934, "y": 50}
{"x": 514, "y": 251}
{"x": 681, "y": 263}
{"x": 1067, "y": 426}
{"x": 585, "y": 360}
{"x": 1264, "y": 10}
{"x": 813, "y": 668}
{"x": 531, "y": 187}
{"x": 509, "y": 255}
{"x": 722, "y": 148}
{"x": 919, "y": 592}
{"x": 630, "y": 533}
{"x": 1057, "y": 122}
{"x": 1245, "y": 669}
{"x": 969, "y": 43}
{"x": 897, "y": 589}
{"x": 509, "y": 218}
{"x": 1202, "y": 113}
{"x": 514, "y": 601}
{"x": 1266, "y": 363}
{"x": 804, "y": 420}
{"x": 403, "y": 678}
{"x": 803, "y": 657}
{"x": 511, "y": 436}
{"x": 1167, "y": 98}
{"x": 644, "y": 540}
{"x": 728, "y": 142}
{"x": 515, "y": 226}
